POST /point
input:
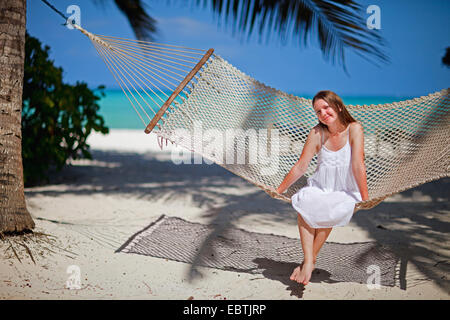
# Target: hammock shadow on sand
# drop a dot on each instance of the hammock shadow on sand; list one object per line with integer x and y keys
{"x": 273, "y": 256}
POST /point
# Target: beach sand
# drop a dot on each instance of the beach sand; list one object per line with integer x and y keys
{"x": 94, "y": 206}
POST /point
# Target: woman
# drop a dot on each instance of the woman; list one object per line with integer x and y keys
{"x": 328, "y": 200}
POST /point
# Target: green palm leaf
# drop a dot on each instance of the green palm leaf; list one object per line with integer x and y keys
{"x": 144, "y": 26}
{"x": 337, "y": 24}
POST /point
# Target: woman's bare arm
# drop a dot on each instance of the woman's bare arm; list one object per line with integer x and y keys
{"x": 357, "y": 161}
{"x": 309, "y": 150}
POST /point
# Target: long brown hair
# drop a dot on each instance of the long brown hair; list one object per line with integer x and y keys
{"x": 337, "y": 104}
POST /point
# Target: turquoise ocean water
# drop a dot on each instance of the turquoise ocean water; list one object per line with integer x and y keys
{"x": 119, "y": 114}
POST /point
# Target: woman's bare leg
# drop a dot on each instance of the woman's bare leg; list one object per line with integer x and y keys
{"x": 302, "y": 274}
{"x": 320, "y": 236}
{"x": 319, "y": 239}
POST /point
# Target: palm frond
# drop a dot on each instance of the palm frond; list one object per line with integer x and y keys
{"x": 143, "y": 25}
{"x": 446, "y": 58}
{"x": 337, "y": 24}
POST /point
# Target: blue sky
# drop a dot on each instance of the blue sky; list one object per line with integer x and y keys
{"x": 416, "y": 32}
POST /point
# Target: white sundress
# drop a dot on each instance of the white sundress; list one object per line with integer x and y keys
{"x": 329, "y": 198}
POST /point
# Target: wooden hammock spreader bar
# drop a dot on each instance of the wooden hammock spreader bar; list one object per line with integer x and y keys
{"x": 177, "y": 91}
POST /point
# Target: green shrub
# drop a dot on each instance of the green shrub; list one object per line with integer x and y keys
{"x": 57, "y": 118}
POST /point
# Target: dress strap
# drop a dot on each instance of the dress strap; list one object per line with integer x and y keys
{"x": 348, "y": 133}
{"x": 321, "y": 142}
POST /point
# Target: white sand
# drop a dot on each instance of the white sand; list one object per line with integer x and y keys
{"x": 131, "y": 182}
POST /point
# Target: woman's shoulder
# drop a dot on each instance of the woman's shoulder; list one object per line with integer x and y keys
{"x": 315, "y": 135}
{"x": 356, "y": 131}
{"x": 355, "y": 127}
{"x": 316, "y": 130}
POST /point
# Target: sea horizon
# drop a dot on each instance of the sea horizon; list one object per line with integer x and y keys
{"x": 119, "y": 114}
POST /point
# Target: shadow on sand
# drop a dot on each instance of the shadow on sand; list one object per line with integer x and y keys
{"x": 415, "y": 231}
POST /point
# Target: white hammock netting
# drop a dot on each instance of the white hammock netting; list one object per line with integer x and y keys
{"x": 258, "y": 132}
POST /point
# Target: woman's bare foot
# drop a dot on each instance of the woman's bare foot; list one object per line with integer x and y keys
{"x": 305, "y": 273}
{"x": 296, "y": 272}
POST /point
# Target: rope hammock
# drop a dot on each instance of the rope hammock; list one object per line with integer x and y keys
{"x": 188, "y": 95}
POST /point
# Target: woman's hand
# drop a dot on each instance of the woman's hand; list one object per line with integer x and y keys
{"x": 309, "y": 150}
{"x": 364, "y": 205}
{"x": 274, "y": 193}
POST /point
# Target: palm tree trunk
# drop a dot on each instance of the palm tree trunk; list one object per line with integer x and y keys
{"x": 14, "y": 215}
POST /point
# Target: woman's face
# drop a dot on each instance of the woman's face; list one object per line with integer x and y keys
{"x": 325, "y": 113}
